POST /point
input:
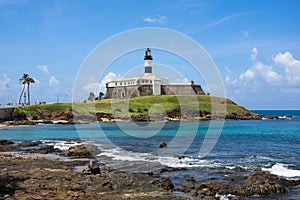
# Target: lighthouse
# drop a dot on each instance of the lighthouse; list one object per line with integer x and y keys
{"x": 148, "y": 62}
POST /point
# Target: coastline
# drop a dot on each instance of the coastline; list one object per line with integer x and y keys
{"x": 103, "y": 117}
{"x": 47, "y": 172}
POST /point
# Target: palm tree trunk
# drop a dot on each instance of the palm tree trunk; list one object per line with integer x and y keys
{"x": 21, "y": 95}
{"x": 24, "y": 97}
{"x": 28, "y": 94}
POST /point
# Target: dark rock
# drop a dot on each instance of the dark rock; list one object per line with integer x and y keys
{"x": 263, "y": 183}
{"x": 171, "y": 169}
{"x": 4, "y": 148}
{"x": 44, "y": 150}
{"x": 235, "y": 178}
{"x": 162, "y": 145}
{"x": 239, "y": 169}
{"x": 189, "y": 183}
{"x": 30, "y": 143}
{"x": 179, "y": 156}
{"x": 164, "y": 183}
{"x": 6, "y": 142}
{"x": 82, "y": 151}
{"x": 93, "y": 167}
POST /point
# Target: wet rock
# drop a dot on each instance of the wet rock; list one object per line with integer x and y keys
{"x": 171, "y": 169}
{"x": 235, "y": 178}
{"x": 239, "y": 169}
{"x": 82, "y": 151}
{"x": 162, "y": 145}
{"x": 189, "y": 183}
{"x": 164, "y": 183}
{"x": 179, "y": 156}
{"x": 44, "y": 150}
{"x": 263, "y": 183}
{"x": 6, "y": 142}
{"x": 30, "y": 143}
{"x": 93, "y": 168}
{"x": 4, "y": 148}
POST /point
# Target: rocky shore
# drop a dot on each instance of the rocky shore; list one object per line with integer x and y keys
{"x": 67, "y": 118}
{"x": 28, "y": 174}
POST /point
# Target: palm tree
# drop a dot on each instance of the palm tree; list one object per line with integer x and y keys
{"x": 26, "y": 80}
{"x": 21, "y": 92}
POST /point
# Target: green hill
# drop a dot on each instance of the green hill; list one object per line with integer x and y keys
{"x": 134, "y": 107}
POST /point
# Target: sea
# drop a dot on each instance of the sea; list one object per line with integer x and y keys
{"x": 205, "y": 150}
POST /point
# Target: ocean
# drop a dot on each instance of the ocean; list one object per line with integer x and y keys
{"x": 269, "y": 145}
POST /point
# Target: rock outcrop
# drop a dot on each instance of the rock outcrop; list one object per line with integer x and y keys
{"x": 82, "y": 151}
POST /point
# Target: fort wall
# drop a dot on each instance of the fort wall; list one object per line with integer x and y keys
{"x": 181, "y": 89}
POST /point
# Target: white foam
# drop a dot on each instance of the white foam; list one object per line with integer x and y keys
{"x": 226, "y": 197}
{"x": 62, "y": 145}
{"x": 118, "y": 154}
{"x": 280, "y": 169}
{"x": 169, "y": 161}
{"x": 185, "y": 162}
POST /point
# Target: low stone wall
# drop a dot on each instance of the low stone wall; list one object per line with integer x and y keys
{"x": 6, "y": 113}
{"x": 181, "y": 89}
{"x": 128, "y": 91}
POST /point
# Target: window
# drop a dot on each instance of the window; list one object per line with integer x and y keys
{"x": 116, "y": 84}
{"x": 120, "y": 83}
{"x": 150, "y": 81}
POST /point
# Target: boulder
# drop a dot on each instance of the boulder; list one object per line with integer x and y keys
{"x": 93, "y": 168}
{"x": 82, "y": 151}
{"x": 162, "y": 145}
{"x": 164, "y": 183}
{"x": 263, "y": 183}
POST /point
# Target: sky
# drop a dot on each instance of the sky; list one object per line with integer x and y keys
{"x": 255, "y": 45}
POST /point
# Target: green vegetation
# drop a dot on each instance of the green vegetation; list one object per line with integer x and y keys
{"x": 135, "y": 106}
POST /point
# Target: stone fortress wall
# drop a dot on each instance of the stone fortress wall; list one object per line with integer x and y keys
{"x": 147, "y": 90}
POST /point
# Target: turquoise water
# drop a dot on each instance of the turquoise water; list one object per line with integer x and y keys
{"x": 270, "y": 145}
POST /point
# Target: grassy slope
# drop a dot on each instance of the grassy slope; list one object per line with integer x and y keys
{"x": 137, "y": 106}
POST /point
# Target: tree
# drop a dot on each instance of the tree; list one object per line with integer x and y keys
{"x": 91, "y": 96}
{"x": 21, "y": 92}
{"x": 26, "y": 80}
{"x": 101, "y": 94}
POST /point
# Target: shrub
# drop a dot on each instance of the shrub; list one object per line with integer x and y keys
{"x": 19, "y": 114}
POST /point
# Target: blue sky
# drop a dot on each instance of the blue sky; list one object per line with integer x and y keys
{"x": 255, "y": 44}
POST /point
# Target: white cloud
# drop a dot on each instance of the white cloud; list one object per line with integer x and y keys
{"x": 53, "y": 82}
{"x": 254, "y": 53}
{"x": 43, "y": 68}
{"x": 267, "y": 73}
{"x": 109, "y": 77}
{"x": 247, "y": 75}
{"x": 228, "y": 78}
{"x": 158, "y": 19}
{"x": 291, "y": 66}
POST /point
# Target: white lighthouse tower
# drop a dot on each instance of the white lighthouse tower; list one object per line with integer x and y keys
{"x": 148, "y": 63}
